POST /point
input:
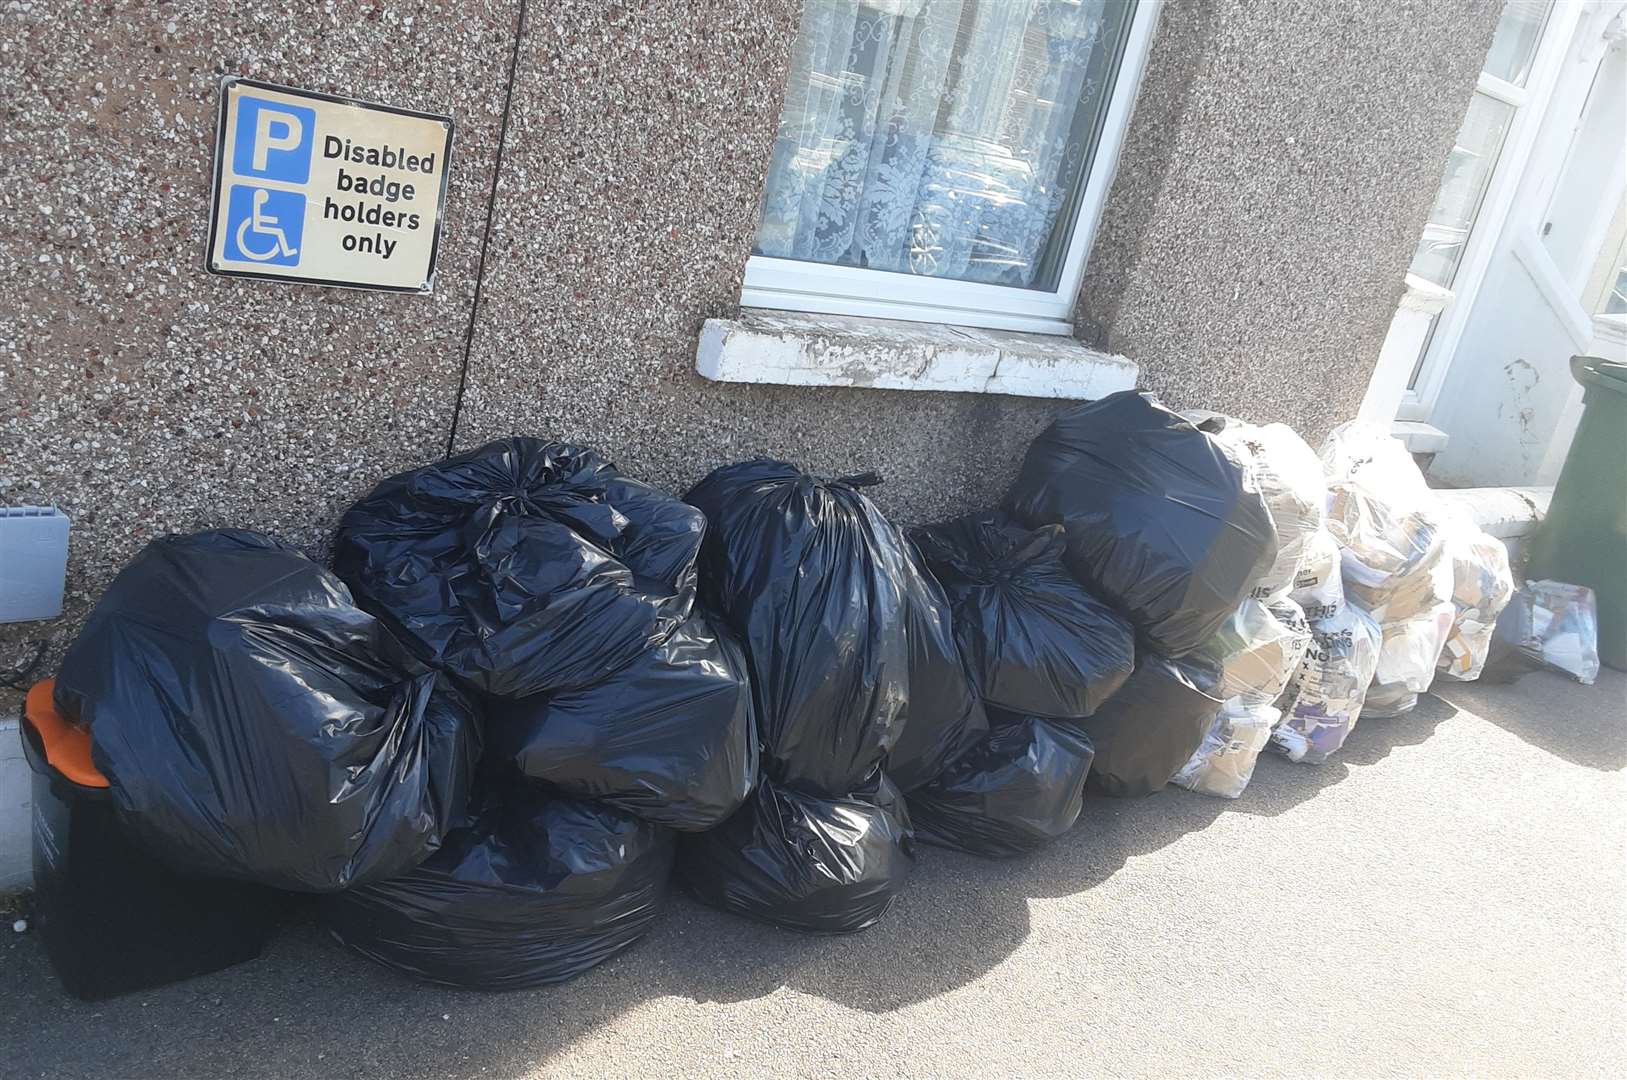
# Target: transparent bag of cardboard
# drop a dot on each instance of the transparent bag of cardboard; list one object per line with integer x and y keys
{"x": 815, "y": 863}
{"x": 1258, "y": 649}
{"x": 1162, "y": 521}
{"x": 1152, "y": 726}
{"x": 1016, "y": 791}
{"x": 533, "y": 888}
{"x": 1289, "y": 477}
{"x": 1324, "y": 700}
{"x": 1390, "y": 532}
{"x": 1481, "y": 587}
{"x": 1035, "y": 641}
{"x": 1224, "y": 762}
{"x": 1411, "y": 648}
{"x": 812, "y": 579}
{"x": 524, "y": 566}
{"x": 1548, "y": 624}
{"x": 254, "y": 723}
{"x": 670, "y": 737}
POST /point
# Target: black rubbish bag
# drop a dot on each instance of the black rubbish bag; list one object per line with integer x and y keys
{"x": 535, "y": 888}
{"x": 820, "y": 864}
{"x": 670, "y": 737}
{"x": 944, "y": 717}
{"x": 253, "y": 723}
{"x": 1035, "y": 641}
{"x": 811, "y": 577}
{"x": 1016, "y": 791}
{"x": 524, "y": 566}
{"x": 1152, "y": 726}
{"x": 1162, "y": 522}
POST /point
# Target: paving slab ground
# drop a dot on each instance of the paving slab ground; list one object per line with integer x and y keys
{"x": 1447, "y": 897}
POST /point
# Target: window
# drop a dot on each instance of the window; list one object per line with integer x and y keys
{"x": 946, "y": 160}
{"x": 1498, "y": 96}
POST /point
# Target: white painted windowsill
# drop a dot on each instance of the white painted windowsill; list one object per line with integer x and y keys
{"x": 790, "y": 348}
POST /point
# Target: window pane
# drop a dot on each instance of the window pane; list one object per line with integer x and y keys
{"x": 1581, "y": 202}
{"x": 1468, "y": 171}
{"x": 947, "y": 138}
{"x": 1515, "y": 42}
{"x": 1606, "y": 292}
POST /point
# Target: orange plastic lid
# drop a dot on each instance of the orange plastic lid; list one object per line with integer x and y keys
{"x": 67, "y": 746}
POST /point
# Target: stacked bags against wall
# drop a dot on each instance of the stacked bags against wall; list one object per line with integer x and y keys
{"x": 254, "y": 723}
{"x": 1042, "y": 654}
{"x": 1392, "y": 558}
{"x": 562, "y": 592}
{"x": 1261, "y": 646}
{"x": 818, "y": 586}
{"x": 1165, "y": 523}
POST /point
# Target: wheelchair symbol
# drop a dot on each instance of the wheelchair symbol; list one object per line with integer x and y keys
{"x": 264, "y": 225}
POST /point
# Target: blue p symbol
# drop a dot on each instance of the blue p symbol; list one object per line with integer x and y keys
{"x": 273, "y": 140}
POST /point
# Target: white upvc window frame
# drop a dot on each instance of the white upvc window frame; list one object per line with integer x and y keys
{"x": 1491, "y": 219}
{"x": 796, "y": 285}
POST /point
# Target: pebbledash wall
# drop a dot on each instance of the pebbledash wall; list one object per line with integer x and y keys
{"x": 1279, "y": 168}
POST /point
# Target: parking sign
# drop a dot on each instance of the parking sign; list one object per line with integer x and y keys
{"x": 323, "y": 190}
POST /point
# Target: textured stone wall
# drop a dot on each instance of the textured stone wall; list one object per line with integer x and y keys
{"x": 634, "y": 167}
{"x": 1280, "y": 165}
{"x": 143, "y": 395}
{"x": 1282, "y": 161}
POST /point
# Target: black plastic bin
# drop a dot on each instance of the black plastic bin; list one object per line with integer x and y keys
{"x": 114, "y": 919}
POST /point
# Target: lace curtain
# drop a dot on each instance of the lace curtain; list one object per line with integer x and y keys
{"x": 939, "y": 137}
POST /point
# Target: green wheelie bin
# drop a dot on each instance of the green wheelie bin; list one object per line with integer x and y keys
{"x": 1583, "y": 540}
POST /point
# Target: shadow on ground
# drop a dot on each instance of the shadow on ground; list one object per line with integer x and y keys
{"x": 307, "y": 1008}
{"x": 1584, "y": 725}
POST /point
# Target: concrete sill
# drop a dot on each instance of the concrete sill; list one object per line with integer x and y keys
{"x": 1419, "y": 438}
{"x": 796, "y": 349}
{"x": 1508, "y": 513}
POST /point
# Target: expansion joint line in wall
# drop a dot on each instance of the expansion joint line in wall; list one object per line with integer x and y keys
{"x": 485, "y": 236}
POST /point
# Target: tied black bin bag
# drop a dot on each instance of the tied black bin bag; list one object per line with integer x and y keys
{"x": 253, "y": 723}
{"x": 1152, "y": 726}
{"x": 524, "y": 566}
{"x": 943, "y": 718}
{"x": 670, "y": 737}
{"x": 1020, "y": 788}
{"x": 536, "y": 888}
{"x": 1162, "y": 522}
{"x": 817, "y": 863}
{"x": 811, "y": 577}
{"x": 1035, "y": 641}
{"x": 814, "y": 581}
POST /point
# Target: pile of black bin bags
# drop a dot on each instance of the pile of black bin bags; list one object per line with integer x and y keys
{"x": 532, "y": 688}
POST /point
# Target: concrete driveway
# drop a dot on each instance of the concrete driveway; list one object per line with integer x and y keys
{"x": 1448, "y": 897}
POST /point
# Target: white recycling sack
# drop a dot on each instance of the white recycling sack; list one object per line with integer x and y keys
{"x": 1390, "y": 533}
{"x": 1289, "y": 477}
{"x": 1411, "y": 648}
{"x": 1557, "y": 625}
{"x": 1481, "y": 587}
{"x": 1319, "y": 586}
{"x": 1224, "y": 762}
{"x": 1258, "y": 649}
{"x": 1323, "y": 702}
